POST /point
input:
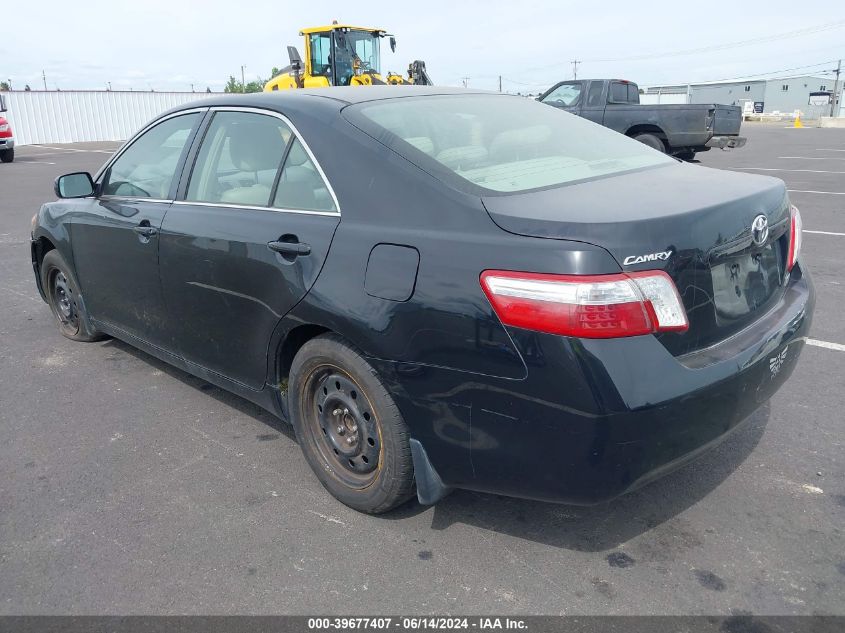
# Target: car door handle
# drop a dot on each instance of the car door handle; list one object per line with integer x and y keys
{"x": 146, "y": 231}
{"x": 290, "y": 248}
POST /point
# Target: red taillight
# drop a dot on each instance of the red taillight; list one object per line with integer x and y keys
{"x": 586, "y": 306}
{"x": 794, "y": 236}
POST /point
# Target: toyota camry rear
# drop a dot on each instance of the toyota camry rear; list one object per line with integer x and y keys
{"x": 655, "y": 304}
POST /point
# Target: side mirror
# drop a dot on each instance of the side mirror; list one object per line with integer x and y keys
{"x": 392, "y": 44}
{"x": 295, "y": 59}
{"x": 76, "y": 185}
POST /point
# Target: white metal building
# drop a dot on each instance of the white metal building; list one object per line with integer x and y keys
{"x": 70, "y": 116}
{"x": 810, "y": 94}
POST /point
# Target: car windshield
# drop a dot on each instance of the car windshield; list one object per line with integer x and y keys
{"x": 501, "y": 143}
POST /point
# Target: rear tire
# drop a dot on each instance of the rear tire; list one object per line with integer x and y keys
{"x": 62, "y": 290}
{"x": 686, "y": 155}
{"x": 349, "y": 428}
{"x": 652, "y": 141}
{"x": 7, "y": 155}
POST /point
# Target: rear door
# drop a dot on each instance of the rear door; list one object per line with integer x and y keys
{"x": 245, "y": 241}
{"x": 115, "y": 236}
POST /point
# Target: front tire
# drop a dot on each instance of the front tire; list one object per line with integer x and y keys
{"x": 7, "y": 155}
{"x": 349, "y": 428}
{"x": 62, "y": 290}
{"x": 652, "y": 141}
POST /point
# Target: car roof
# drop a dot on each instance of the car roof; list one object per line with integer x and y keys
{"x": 340, "y": 96}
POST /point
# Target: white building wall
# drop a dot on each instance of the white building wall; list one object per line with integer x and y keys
{"x": 666, "y": 97}
{"x": 74, "y": 116}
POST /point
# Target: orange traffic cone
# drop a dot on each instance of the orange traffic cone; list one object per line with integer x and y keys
{"x": 797, "y": 121}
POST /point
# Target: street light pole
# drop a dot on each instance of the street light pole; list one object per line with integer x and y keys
{"x": 833, "y": 102}
{"x": 243, "y": 81}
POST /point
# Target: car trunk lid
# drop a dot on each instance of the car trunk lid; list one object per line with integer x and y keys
{"x": 693, "y": 222}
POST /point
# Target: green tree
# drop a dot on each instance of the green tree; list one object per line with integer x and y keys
{"x": 256, "y": 85}
{"x": 4, "y": 86}
{"x": 233, "y": 85}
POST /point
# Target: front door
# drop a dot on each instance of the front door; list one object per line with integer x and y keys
{"x": 245, "y": 243}
{"x": 115, "y": 237}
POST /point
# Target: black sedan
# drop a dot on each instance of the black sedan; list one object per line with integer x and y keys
{"x": 439, "y": 289}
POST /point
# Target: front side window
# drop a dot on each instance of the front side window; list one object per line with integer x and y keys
{"x": 564, "y": 95}
{"x": 595, "y": 93}
{"x": 239, "y": 159}
{"x": 146, "y": 169}
{"x": 495, "y": 143}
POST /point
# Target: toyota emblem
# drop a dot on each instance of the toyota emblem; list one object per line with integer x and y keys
{"x": 760, "y": 230}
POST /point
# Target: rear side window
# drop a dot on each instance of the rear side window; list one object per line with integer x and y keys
{"x": 239, "y": 159}
{"x": 619, "y": 92}
{"x": 301, "y": 186}
{"x": 495, "y": 143}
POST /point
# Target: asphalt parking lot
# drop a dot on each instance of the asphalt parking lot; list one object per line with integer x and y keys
{"x": 127, "y": 486}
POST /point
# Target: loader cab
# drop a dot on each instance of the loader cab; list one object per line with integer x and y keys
{"x": 341, "y": 53}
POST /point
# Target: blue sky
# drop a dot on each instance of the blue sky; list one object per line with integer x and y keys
{"x": 169, "y": 45}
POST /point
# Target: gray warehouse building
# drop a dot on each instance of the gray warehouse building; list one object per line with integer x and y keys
{"x": 810, "y": 94}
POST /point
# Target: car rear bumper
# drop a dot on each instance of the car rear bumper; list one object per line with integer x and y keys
{"x": 597, "y": 418}
{"x": 726, "y": 142}
{"x": 7, "y": 142}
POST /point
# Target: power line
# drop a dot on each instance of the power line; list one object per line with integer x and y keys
{"x": 725, "y": 79}
{"x": 706, "y": 49}
{"x": 741, "y": 78}
{"x": 720, "y": 47}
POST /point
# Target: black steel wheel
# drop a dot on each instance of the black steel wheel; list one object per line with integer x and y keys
{"x": 62, "y": 292}
{"x": 343, "y": 425}
{"x": 63, "y": 301}
{"x": 349, "y": 427}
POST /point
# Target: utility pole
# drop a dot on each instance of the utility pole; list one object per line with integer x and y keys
{"x": 44, "y": 77}
{"x": 243, "y": 82}
{"x": 833, "y": 102}
{"x": 465, "y": 81}
{"x": 575, "y": 63}
{"x": 500, "y": 83}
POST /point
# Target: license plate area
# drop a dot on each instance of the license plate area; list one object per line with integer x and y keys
{"x": 746, "y": 282}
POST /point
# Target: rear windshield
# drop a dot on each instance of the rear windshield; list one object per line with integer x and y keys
{"x": 500, "y": 143}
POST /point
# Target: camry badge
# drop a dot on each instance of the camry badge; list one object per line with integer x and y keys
{"x": 760, "y": 229}
{"x": 650, "y": 257}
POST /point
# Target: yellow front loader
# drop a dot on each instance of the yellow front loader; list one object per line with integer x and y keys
{"x": 342, "y": 55}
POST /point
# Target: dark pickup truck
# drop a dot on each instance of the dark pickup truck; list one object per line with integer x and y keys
{"x": 680, "y": 130}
